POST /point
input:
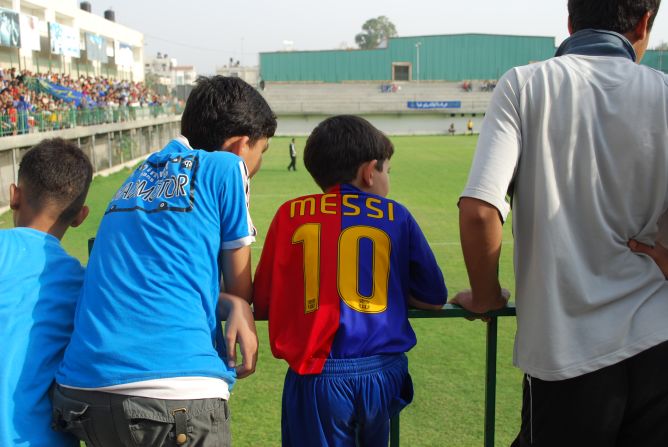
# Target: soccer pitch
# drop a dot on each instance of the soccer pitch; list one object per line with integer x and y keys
{"x": 447, "y": 365}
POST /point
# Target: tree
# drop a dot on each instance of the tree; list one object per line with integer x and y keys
{"x": 663, "y": 46}
{"x": 375, "y": 32}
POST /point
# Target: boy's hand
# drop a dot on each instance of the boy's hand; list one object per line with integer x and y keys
{"x": 417, "y": 304}
{"x": 240, "y": 329}
{"x": 465, "y": 300}
{"x": 658, "y": 253}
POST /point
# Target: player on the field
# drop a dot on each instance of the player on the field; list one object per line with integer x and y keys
{"x": 337, "y": 274}
{"x": 39, "y": 287}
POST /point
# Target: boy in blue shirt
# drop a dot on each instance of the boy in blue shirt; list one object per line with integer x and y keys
{"x": 39, "y": 287}
{"x": 143, "y": 366}
{"x": 337, "y": 274}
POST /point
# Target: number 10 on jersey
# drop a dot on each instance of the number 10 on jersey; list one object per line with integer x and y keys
{"x": 347, "y": 267}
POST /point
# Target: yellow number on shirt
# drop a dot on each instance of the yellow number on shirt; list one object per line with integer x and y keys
{"x": 348, "y": 271}
{"x": 347, "y": 267}
{"x": 309, "y": 236}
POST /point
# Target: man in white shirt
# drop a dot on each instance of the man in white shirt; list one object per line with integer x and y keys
{"x": 580, "y": 145}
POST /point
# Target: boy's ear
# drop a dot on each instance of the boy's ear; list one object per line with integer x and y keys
{"x": 366, "y": 172}
{"x": 80, "y": 217}
{"x": 236, "y": 144}
{"x": 14, "y": 196}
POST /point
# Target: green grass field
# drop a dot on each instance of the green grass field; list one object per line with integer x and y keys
{"x": 447, "y": 365}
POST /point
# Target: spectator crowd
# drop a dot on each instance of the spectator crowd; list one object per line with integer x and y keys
{"x": 485, "y": 86}
{"x": 23, "y": 108}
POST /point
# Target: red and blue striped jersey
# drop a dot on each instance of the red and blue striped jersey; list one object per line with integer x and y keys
{"x": 335, "y": 275}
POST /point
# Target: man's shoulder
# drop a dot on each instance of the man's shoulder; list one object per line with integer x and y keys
{"x": 522, "y": 72}
{"x": 654, "y": 73}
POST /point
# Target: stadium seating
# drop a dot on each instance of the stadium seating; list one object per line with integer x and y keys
{"x": 370, "y": 97}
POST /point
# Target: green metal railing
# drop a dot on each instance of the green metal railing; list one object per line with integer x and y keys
{"x": 27, "y": 122}
{"x": 453, "y": 311}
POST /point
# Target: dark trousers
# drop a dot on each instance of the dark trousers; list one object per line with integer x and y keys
{"x": 623, "y": 405}
{"x": 293, "y": 163}
{"x": 114, "y": 420}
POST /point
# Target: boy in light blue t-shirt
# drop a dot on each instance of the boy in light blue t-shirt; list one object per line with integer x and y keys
{"x": 39, "y": 287}
{"x": 171, "y": 261}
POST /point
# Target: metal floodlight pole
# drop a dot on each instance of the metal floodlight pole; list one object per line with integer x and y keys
{"x": 417, "y": 49}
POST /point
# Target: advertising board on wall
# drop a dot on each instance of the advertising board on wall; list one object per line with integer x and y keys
{"x": 10, "y": 35}
{"x": 29, "y": 26}
{"x": 123, "y": 54}
{"x": 64, "y": 40}
{"x": 96, "y": 48}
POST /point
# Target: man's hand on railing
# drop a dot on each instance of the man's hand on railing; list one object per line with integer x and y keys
{"x": 239, "y": 329}
{"x": 465, "y": 300}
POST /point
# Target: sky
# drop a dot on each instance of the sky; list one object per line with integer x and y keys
{"x": 207, "y": 33}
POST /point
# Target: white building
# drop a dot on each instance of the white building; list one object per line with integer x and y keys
{"x": 249, "y": 74}
{"x": 168, "y": 73}
{"x": 161, "y": 66}
{"x": 184, "y": 75}
{"x": 60, "y": 36}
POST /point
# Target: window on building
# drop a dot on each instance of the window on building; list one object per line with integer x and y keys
{"x": 401, "y": 71}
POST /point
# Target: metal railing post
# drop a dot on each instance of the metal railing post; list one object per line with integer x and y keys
{"x": 109, "y": 151}
{"x": 490, "y": 381}
{"x": 93, "y": 155}
{"x": 394, "y": 431}
{"x": 15, "y": 165}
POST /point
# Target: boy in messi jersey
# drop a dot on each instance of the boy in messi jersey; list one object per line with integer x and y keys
{"x": 39, "y": 287}
{"x": 146, "y": 343}
{"x": 337, "y": 274}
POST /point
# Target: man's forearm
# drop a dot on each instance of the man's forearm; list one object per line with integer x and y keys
{"x": 481, "y": 232}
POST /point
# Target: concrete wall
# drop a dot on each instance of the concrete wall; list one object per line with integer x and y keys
{"x": 367, "y": 97}
{"x": 391, "y": 124}
{"x": 108, "y": 146}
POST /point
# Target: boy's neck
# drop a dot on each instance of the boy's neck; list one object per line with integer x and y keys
{"x": 42, "y": 223}
{"x": 359, "y": 184}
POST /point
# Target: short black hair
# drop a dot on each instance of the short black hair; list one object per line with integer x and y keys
{"x": 220, "y": 107}
{"x": 339, "y": 145}
{"x": 620, "y": 16}
{"x": 57, "y": 173}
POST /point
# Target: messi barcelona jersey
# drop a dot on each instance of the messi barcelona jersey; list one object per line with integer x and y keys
{"x": 335, "y": 274}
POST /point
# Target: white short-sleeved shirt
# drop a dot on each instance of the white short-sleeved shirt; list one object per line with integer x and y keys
{"x": 581, "y": 144}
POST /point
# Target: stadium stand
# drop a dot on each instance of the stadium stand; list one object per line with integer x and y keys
{"x": 50, "y": 101}
{"x": 371, "y": 97}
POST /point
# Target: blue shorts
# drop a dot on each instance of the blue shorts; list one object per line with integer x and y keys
{"x": 350, "y": 403}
